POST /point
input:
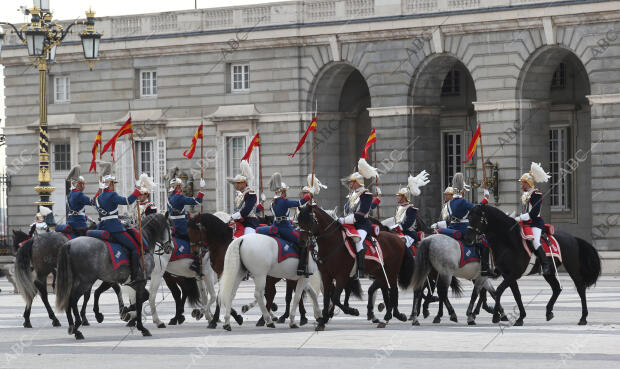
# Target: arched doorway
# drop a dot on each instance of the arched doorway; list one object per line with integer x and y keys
{"x": 555, "y": 130}
{"x": 341, "y": 94}
{"x": 442, "y": 123}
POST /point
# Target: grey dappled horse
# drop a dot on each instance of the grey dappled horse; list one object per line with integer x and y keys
{"x": 84, "y": 260}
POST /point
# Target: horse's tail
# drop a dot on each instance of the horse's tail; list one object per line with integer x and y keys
{"x": 356, "y": 288}
{"x": 406, "y": 269}
{"x": 23, "y": 276}
{"x": 590, "y": 262}
{"x": 230, "y": 274}
{"x": 455, "y": 285}
{"x": 422, "y": 264}
{"x": 64, "y": 278}
{"x": 190, "y": 288}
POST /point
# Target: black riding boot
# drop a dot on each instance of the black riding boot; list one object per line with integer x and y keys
{"x": 302, "y": 267}
{"x": 196, "y": 265}
{"x": 544, "y": 261}
{"x": 485, "y": 270}
{"x": 360, "y": 263}
{"x": 136, "y": 273}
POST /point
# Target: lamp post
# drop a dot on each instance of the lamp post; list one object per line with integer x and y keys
{"x": 42, "y": 36}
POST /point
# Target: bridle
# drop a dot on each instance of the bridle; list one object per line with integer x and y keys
{"x": 314, "y": 237}
{"x": 483, "y": 221}
{"x": 166, "y": 247}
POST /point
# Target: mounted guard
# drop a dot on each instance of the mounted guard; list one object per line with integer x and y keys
{"x": 76, "y": 202}
{"x": 39, "y": 225}
{"x": 407, "y": 214}
{"x": 176, "y": 206}
{"x": 530, "y": 220}
{"x": 246, "y": 200}
{"x": 359, "y": 203}
{"x": 147, "y": 207}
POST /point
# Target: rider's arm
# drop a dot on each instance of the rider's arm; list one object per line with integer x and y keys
{"x": 364, "y": 209}
{"x": 410, "y": 217}
{"x": 192, "y": 200}
{"x": 120, "y": 200}
{"x": 249, "y": 203}
{"x": 536, "y": 201}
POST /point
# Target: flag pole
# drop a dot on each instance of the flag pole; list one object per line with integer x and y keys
{"x": 202, "y": 159}
{"x": 260, "y": 171}
{"x": 374, "y": 149}
{"x": 484, "y": 172}
{"x": 135, "y": 173}
{"x": 316, "y": 108}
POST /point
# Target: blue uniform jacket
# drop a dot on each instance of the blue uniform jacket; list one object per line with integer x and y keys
{"x": 176, "y": 206}
{"x": 361, "y": 215}
{"x": 535, "y": 203}
{"x": 458, "y": 209}
{"x": 107, "y": 203}
{"x": 76, "y": 201}
{"x": 410, "y": 216}
{"x": 282, "y": 227}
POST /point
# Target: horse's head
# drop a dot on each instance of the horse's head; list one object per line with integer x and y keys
{"x": 216, "y": 233}
{"x": 156, "y": 230}
{"x": 18, "y": 238}
{"x": 478, "y": 223}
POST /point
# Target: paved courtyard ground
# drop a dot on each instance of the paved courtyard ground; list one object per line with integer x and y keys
{"x": 348, "y": 342}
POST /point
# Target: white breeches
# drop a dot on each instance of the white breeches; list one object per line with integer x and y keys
{"x": 249, "y": 230}
{"x": 409, "y": 241}
{"x": 536, "y": 241}
{"x": 360, "y": 244}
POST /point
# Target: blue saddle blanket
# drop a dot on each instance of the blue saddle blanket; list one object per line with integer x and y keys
{"x": 181, "y": 249}
{"x": 117, "y": 254}
{"x": 286, "y": 249}
{"x": 468, "y": 254}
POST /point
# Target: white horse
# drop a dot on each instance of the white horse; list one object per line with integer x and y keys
{"x": 258, "y": 254}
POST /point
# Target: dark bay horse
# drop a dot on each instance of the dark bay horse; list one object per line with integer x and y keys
{"x": 580, "y": 258}
{"x": 335, "y": 263}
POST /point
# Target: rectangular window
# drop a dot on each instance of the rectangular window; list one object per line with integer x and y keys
{"x": 451, "y": 84}
{"x": 62, "y": 157}
{"x": 62, "y": 92}
{"x": 452, "y": 158}
{"x": 235, "y": 149}
{"x": 559, "y": 77}
{"x": 148, "y": 83}
{"x": 144, "y": 156}
{"x": 561, "y": 177}
{"x": 240, "y": 77}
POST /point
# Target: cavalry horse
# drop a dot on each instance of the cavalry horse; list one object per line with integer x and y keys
{"x": 580, "y": 258}
{"x": 84, "y": 260}
{"x": 335, "y": 262}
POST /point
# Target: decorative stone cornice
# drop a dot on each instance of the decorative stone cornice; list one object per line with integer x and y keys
{"x": 604, "y": 99}
{"x": 389, "y": 111}
{"x": 510, "y": 104}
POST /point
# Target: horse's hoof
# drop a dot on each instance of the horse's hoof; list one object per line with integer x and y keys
{"x": 375, "y": 320}
{"x": 549, "y": 315}
{"x": 55, "y": 323}
{"x": 195, "y": 313}
{"x": 504, "y": 318}
{"x": 370, "y": 316}
{"x": 227, "y": 327}
{"x": 415, "y": 322}
{"x": 382, "y": 325}
{"x": 426, "y": 314}
{"x": 79, "y": 335}
{"x": 146, "y": 333}
{"x": 519, "y": 322}
{"x": 124, "y": 310}
{"x": 212, "y": 324}
{"x": 181, "y": 319}
{"x": 582, "y": 321}
{"x": 244, "y": 309}
{"x": 161, "y": 325}
{"x": 282, "y": 319}
{"x": 354, "y": 312}
{"x": 437, "y": 320}
{"x": 260, "y": 322}
{"x": 495, "y": 318}
{"x": 380, "y": 307}
{"x": 173, "y": 321}
{"x": 99, "y": 317}
{"x": 400, "y": 316}
{"x": 271, "y": 325}
{"x": 274, "y": 306}
{"x": 238, "y": 319}
{"x": 294, "y": 326}
{"x": 454, "y": 318}
{"x": 85, "y": 322}
{"x": 411, "y": 317}
{"x": 131, "y": 323}
{"x": 28, "y": 325}
{"x": 320, "y": 328}
{"x": 471, "y": 322}
{"x": 70, "y": 329}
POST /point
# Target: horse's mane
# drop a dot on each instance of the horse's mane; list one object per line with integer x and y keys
{"x": 216, "y": 228}
{"x": 503, "y": 224}
{"x": 18, "y": 237}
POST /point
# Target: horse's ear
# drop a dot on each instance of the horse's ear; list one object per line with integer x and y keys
{"x": 167, "y": 214}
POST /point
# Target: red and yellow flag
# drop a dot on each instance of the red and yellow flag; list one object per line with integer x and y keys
{"x": 198, "y": 135}
{"x": 371, "y": 140}
{"x": 255, "y": 142}
{"x": 473, "y": 144}
{"x": 312, "y": 127}
{"x": 96, "y": 147}
{"x": 126, "y": 129}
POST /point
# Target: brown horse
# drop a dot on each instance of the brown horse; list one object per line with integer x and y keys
{"x": 335, "y": 262}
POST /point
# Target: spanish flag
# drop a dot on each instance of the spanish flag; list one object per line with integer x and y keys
{"x": 126, "y": 129}
{"x": 312, "y": 127}
{"x": 198, "y": 135}
{"x": 255, "y": 142}
{"x": 371, "y": 140}
{"x": 96, "y": 147}
{"x": 473, "y": 144}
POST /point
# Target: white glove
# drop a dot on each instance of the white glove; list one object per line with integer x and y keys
{"x": 203, "y": 184}
{"x": 263, "y": 197}
{"x": 236, "y": 216}
{"x": 378, "y": 190}
{"x": 341, "y": 220}
{"x": 102, "y": 185}
{"x": 486, "y": 193}
{"x": 518, "y": 218}
{"x": 434, "y": 226}
{"x": 442, "y": 224}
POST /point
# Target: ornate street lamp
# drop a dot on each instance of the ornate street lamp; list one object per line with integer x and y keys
{"x": 42, "y": 36}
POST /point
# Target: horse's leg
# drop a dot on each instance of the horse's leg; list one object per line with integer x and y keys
{"x": 287, "y": 299}
{"x": 104, "y": 286}
{"x": 315, "y": 302}
{"x": 119, "y": 297}
{"x": 270, "y": 294}
{"x": 175, "y": 291}
{"x": 156, "y": 276}
{"x": 299, "y": 289}
{"x": 70, "y": 322}
{"x": 482, "y": 296}
{"x": 415, "y": 310}
{"x": 26, "y": 315}
{"x": 370, "y": 313}
{"x": 42, "y": 287}
{"x": 471, "y": 315}
{"x": 581, "y": 290}
{"x": 514, "y": 287}
{"x": 428, "y": 298}
{"x": 556, "y": 289}
{"x": 210, "y": 294}
{"x": 216, "y": 316}
{"x": 328, "y": 288}
{"x": 442, "y": 290}
{"x": 498, "y": 296}
{"x": 397, "y": 314}
{"x": 74, "y": 308}
{"x": 259, "y": 295}
{"x": 141, "y": 296}
{"x": 84, "y": 304}
{"x": 385, "y": 292}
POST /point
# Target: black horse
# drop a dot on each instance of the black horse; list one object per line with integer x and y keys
{"x": 579, "y": 257}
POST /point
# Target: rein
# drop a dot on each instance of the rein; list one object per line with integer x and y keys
{"x": 326, "y": 233}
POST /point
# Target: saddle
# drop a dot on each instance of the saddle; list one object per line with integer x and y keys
{"x": 548, "y": 242}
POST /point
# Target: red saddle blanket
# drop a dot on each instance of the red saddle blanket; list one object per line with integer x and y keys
{"x": 237, "y": 228}
{"x": 550, "y": 250}
{"x": 372, "y": 253}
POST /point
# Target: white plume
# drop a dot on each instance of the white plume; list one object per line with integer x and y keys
{"x": 316, "y": 188}
{"x": 538, "y": 173}
{"x": 414, "y": 183}
{"x": 246, "y": 170}
{"x": 44, "y": 210}
{"x": 366, "y": 170}
{"x": 145, "y": 182}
